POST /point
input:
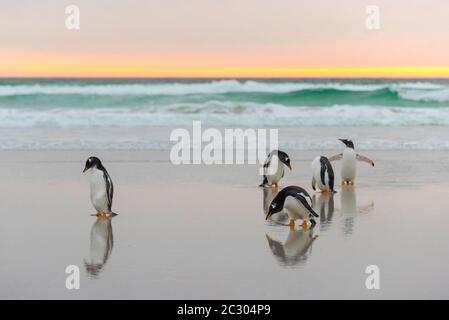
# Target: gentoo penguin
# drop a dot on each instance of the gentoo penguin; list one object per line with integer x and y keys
{"x": 349, "y": 157}
{"x": 298, "y": 204}
{"x": 273, "y": 168}
{"x": 101, "y": 244}
{"x": 323, "y": 174}
{"x": 296, "y": 248}
{"x": 101, "y": 188}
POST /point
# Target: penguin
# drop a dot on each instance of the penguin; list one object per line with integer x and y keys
{"x": 296, "y": 248}
{"x": 273, "y": 168}
{"x": 101, "y": 187}
{"x": 101, "y": 244}
{"x": 349, "y": 161}
{"x": 298, "y": 204}
{"x": 323, "y": 175}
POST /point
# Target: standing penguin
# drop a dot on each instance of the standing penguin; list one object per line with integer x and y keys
{"x": 323, "y": 175}
{"x": 349, "y": 161}
{"x": 273, "y": 168}
{"x": 298, "y": 204}
{"x": 101, "y": 188}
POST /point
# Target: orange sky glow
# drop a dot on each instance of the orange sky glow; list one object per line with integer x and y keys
{"x": 202, "y": 38}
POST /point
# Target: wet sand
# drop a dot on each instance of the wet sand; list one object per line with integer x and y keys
{"x": 198, "y": 232}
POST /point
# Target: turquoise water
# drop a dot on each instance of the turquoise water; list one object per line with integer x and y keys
{"x": 153, "y": 92}
{"x": 140, "y": 113}
{"x": 167, "y": 102}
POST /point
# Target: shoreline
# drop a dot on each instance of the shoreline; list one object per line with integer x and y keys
{"x": 198, "y": 231}
{"x": 290, "y": 138}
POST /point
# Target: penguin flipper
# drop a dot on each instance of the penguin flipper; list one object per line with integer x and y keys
{"x": 264, "y": 182}
{"x": 323, "y": 171}
{"x": 307, "y": 206}
{"x": 268, "y": 159}
{"x": 364, "y": 159}
{"x": 330, "y": 174}
{"x": 109, "y": 188}
{"x": 336, "y": 157}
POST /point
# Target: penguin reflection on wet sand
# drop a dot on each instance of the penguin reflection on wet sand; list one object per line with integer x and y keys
{"x": 101, "y": 187}
{"x": 297, "y": 203}
{"x": 324, "y": 204}
{"x": 101, "y": 244}
{"x": 323, "y": 174}
{"x": 349, "y": 209}
{"x": 273, "y": 168}
{"x": 349, "y": 161}
{"x": 296, "y": 248}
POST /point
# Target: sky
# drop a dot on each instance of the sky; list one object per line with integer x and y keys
{"x": 224, "y": 38}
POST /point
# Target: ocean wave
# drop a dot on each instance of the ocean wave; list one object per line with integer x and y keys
{"x": 220, "y": 113}
{"x": 288, "y": 93}
{"x": 218, "y": 86}
{"x": 440, "y": 95}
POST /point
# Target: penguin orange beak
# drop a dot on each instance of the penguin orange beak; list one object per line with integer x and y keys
{"x": 290, "y": 167}
{"x": 85, "y": 169}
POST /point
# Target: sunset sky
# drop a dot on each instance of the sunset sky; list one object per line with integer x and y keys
{"x": 225, "y": 38}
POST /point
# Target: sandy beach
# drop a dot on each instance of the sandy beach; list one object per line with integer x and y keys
{"x": 115, "y": 122}
{"x": 190, "y": 232}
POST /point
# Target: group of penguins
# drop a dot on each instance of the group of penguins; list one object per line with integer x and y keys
{"x": 295, "y": 200}
{"x": 292, "y": 200}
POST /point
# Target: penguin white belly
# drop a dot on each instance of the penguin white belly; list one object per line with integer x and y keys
{"x": 275, "y": 170}
{"x": 98, "y": 194}
{"x": 295, "y": 209}
{"x": 349, "y": 165}
{"x": 316, "y": 169}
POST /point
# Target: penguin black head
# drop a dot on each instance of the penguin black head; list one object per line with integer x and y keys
{"x": 347, "y": 143}
{"x": 93, "y": 162}
{"x": 285, "y": 159}
{"x": 275, "y": 207}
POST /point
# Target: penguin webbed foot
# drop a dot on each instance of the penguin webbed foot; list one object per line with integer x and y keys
{"x": 100, "y": 214}
{"x": 290, "y": 224}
